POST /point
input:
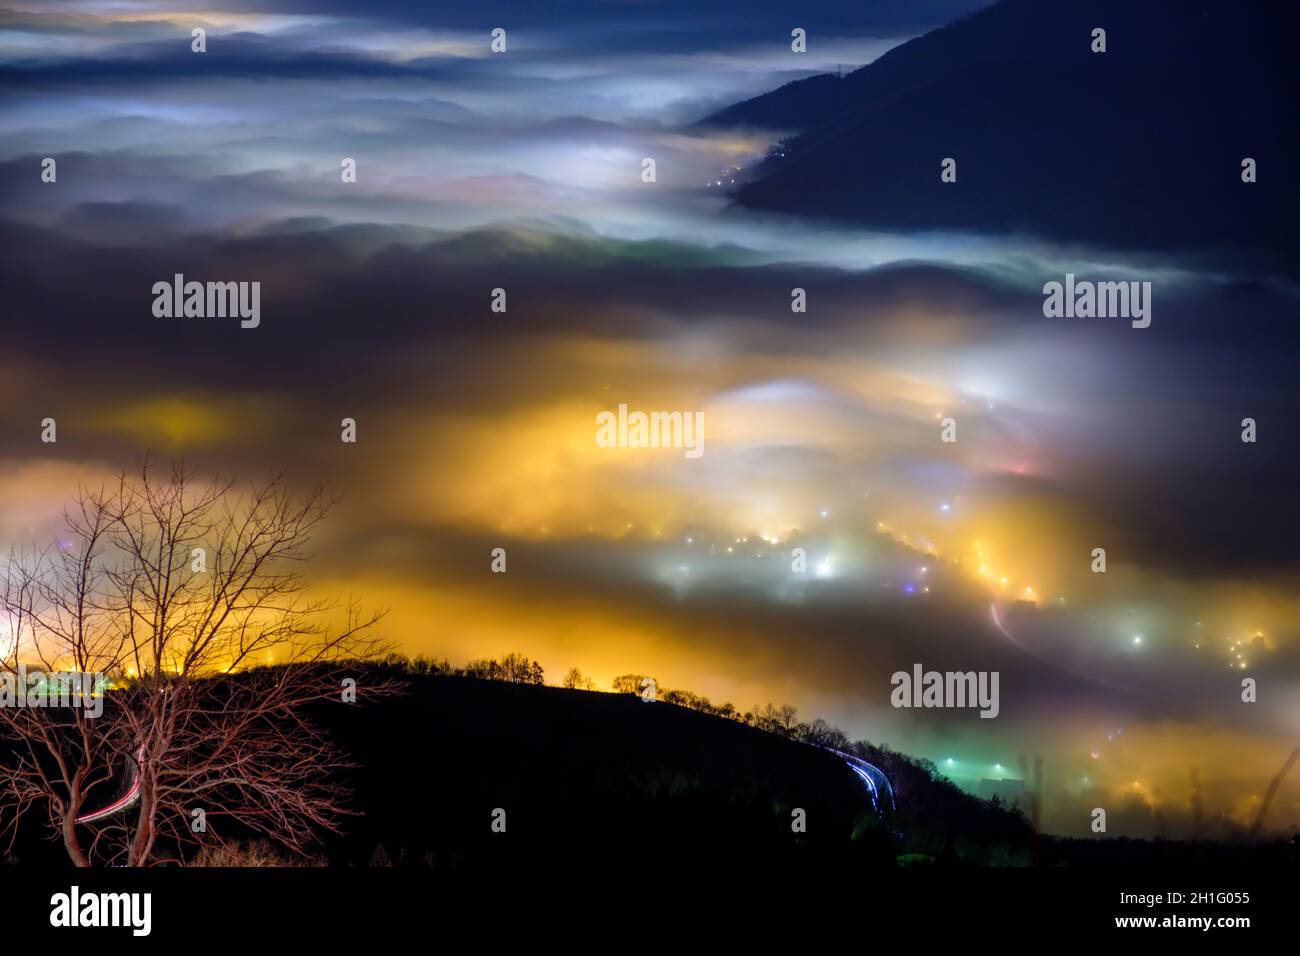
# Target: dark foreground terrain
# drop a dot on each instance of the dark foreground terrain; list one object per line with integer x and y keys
{"x": 589, "y": 779}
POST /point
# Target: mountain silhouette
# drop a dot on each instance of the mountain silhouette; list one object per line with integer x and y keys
{"x": 1140, "y": 146}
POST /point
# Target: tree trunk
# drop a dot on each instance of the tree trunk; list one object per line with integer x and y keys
{"x": 70, "y": 842}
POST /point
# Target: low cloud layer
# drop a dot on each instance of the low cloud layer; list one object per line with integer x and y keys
{"x": 476, "y": 428}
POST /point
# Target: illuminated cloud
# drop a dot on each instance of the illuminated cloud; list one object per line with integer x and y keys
{"x": 822, "y": 428}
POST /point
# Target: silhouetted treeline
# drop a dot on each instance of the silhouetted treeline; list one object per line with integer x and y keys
{"x": 435, "y": 766}
{"x": 931, "y": 810}
{"x": 513, "y": 668}
{"x": 934, "y": 812}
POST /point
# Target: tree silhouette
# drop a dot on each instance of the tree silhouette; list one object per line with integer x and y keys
{"x": 1273, "y": 784}
{"x": 629, "y": 683}
{"x": 180, "y": 592}
{"x": 576, "y": 680}
{"x": 513, "y": 669}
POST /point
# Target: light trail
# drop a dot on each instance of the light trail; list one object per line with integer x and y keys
{"x": 121, "y": 803}
{"x": 876, "y": 780}
{"x": 997, "y": 622}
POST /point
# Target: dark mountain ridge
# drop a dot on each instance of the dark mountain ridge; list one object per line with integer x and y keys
{"x": 1137, "y": 147}
{"x": 589, "y": 779}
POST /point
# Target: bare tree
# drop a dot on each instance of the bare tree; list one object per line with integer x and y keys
{"x": 181, "y": 592}
{"x": 822, "y": 734}
{"x": 576, "y": 680}
{"x": 513, "y": 669}
{"x": 1273, "y": 784}
{"x": 776, "y": 720}
{"x": 630, "y": 683}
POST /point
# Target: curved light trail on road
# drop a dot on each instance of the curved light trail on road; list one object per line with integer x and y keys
{"x": 876, "y": 781}
{"x": 121, "y": 803}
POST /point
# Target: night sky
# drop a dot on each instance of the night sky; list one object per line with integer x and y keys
{"x": 476, "y": 429}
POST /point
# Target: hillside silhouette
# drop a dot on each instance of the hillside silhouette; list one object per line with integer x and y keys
{"x": 587, "y": 777}
{"x": 590, "y": 776}
{"x": 1137, "y": 147}
{"x": 586, "y": 773}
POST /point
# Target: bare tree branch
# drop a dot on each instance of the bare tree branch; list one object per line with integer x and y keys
{"x": 182, "y": 592}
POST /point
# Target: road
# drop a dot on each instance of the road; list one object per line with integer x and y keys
{"x": 877, "y": 783}
{"x": 129, "y": 797}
